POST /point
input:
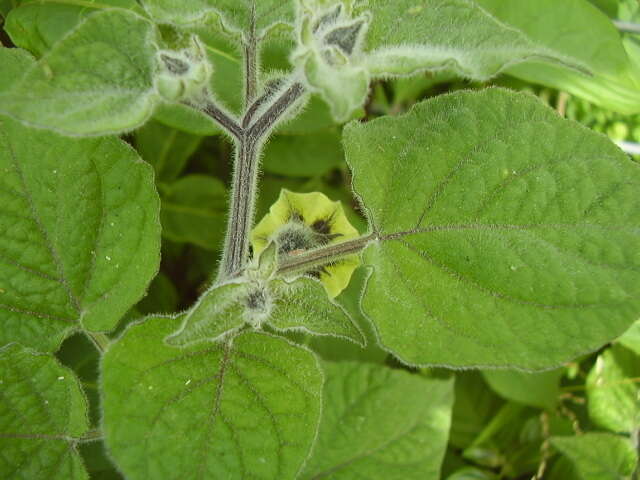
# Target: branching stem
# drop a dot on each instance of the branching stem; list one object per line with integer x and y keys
{"x": 249, "y": 136}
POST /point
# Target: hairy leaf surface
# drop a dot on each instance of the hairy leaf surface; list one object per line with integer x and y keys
{"x": 97, "y": 79}
{"x": 303, "y": 304}
{"x": 379, "y": 423}
{"x": 219, "y": 312}
{"x": 233, "y": 16}
{"x": 43, "y": 413}
{"x": 249, "y": 409}
{"x": 79, "y": 234}
{"x": 406, "y": 36}
{"x": 506, "y": 235}
{"x": 37, "y": 26}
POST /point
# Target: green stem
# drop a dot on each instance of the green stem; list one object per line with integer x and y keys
{"x": 245, "y": 177}
{"x": 100, "y": 340}
{"x": 94, "y": 435}
{"x": 321, "y": 256}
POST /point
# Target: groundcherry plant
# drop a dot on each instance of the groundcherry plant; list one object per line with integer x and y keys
{"x": 486, "y": 232}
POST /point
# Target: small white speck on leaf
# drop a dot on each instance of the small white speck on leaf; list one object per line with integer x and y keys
{"x": 108, "y": 258}
{"x": 187, "y": 382}
{"x": 60, "y": 378}
{"x": 150, "y": 387}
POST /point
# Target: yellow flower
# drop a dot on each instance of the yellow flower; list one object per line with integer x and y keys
{"x": 302, "y": 221}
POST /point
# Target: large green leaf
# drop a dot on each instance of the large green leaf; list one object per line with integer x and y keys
{"x": 505, "y": 234}
{"x": 577, "y": 29}
{"x": 98, "y": 79}
{"x": 43, "y": 413}
{"x": 247, "y": 409}
{"x": 37, "y": 26}
{"x": 598, "y": 456}
{"x": 233, "y": 16}
{"x": 194, "y": 210}
{"x": 613, "y": 390}
{"x": 14, "y": 62}
{"x": 380, "y": 424}
{"x": 79, "y": 234}
{"x": 535, "y": 389}
{"x": 406, "y": 36}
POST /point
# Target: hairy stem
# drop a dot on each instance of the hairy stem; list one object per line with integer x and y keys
{"x": 91, "y": 436}
{"x": 223, "y": 119}
{"x": 242, "y": 205}
{"x": 245, "y": 178}
{"x": 270, "y": 117}
{"x": 251, "y": 61}
{"x": 99, "y": 340}
{"x": 324, "y": 255}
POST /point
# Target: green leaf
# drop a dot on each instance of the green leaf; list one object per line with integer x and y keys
{"x": 230, "y": 16}
{"x": 98, "y": 79}
{"x": 14, "y": 62}
{"x": 408, "y": 36}
{"x": 37, "y": 26}
{"x": 194, "y": 210}
{"x": 631, "y": 338}
{"x": 219, "y": 312}
{"x": 43, "y": 413}
{"x": 577, "y": 29}
{"x": 79, "y": 234}
{"x": 247, "y": 409}
{"x": 613, "y": 390}
{"x": 166, "y": 149}
{"x": 304, "y": 305}
{"x": 598, "y": 456}
{"x": 534, "y": 389}
{"x": 379, "y": 423}
{"x": 505, "y": 234}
